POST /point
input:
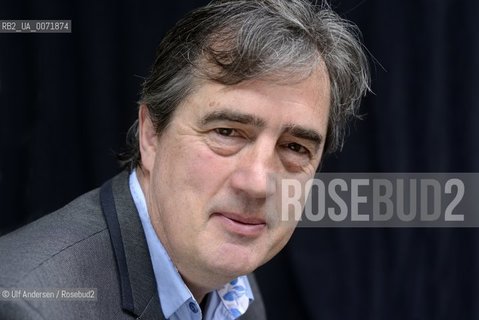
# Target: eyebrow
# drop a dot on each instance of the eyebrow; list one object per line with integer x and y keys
{"x": 235, "y": 116}
{"x": 305, "y": 133}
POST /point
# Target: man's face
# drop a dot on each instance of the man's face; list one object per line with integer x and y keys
{"x": 213, "y": 176}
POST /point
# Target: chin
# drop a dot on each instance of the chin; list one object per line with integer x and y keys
{"x": 234, "y": 262}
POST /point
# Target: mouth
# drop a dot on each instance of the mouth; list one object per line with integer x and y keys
{"x": 239, "y": 224}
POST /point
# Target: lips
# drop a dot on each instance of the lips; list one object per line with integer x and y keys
{"x": 240, "y": 224}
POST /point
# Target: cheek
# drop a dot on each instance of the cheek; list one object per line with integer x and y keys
{"x": 204, "y": 170}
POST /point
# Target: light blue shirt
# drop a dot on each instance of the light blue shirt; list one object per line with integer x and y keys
{"x": 177, "y": 301}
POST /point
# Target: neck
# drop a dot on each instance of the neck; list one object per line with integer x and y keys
{"x": 198, "y": 292}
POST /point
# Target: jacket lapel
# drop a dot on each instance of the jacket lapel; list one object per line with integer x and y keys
{"x": 137, "y": 280}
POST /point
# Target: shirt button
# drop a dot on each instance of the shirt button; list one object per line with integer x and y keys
{"x": 193, "y": 307}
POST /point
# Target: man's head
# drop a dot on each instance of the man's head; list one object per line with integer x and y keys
{"x": 242, "y": 94}
{"x": 235, "y": 40}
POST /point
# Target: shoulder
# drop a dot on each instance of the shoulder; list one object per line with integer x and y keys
{"x": 67, "y": 250}
{"x": 51, "y": 238}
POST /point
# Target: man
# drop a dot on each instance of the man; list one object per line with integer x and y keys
{"x": 242, "y": 95}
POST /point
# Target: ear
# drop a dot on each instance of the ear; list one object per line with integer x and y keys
{"x": 148, "y": 139}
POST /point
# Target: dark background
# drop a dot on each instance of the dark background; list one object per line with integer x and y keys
{"x": 67, "y": 100}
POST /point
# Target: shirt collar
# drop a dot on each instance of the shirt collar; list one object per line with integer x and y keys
{"x": 172, "y": 292}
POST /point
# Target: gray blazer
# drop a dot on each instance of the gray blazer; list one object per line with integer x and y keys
{"x": 96, "y": 241}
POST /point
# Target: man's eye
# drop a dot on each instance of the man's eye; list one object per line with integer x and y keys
{"x": 227, "y": 132}
{"x": 297, "y": 148}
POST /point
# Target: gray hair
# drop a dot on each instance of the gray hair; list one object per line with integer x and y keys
{"x": 230, "y": 41}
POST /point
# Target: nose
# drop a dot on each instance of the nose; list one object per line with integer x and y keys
{"x": 256, "y": 172}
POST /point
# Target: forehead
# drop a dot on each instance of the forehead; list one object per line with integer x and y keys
{"x": 307, "y": 100}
